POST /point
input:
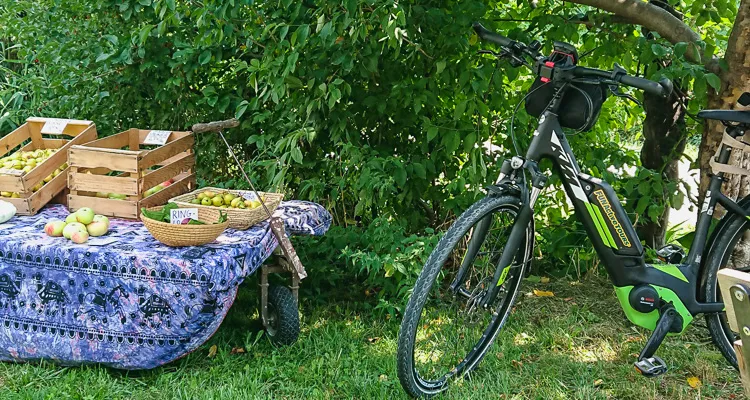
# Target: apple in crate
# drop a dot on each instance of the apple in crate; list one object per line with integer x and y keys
{"x": 72, "y": 228}
{"x": 85, "y": 215}
{"x": 54, "y": 228}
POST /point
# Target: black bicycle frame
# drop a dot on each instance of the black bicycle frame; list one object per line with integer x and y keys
{"x": 607, "y": 223}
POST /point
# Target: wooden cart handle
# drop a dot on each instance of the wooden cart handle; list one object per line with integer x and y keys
{"x": 216, "y": 126}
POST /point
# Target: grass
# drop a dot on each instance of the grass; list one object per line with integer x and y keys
{"x": 576, "y": 345}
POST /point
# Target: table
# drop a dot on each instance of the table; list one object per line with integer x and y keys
{"x": 125, "y": 300}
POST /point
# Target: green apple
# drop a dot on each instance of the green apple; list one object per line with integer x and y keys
{"x": 80, "y": 237}
{"x": 85, "y": 215}
{"x": 117, "y": 196}
{"x": 54, "y": 228}
{"x": 102, "y": 195}
{"x": 101, "y": 218}
{"x": 71, "y": 218}
{"x": 72, "y": 228}
{"x": 97, "y": 228}
{"x": 206, "y": 201}
{"x": 217, "y": 201}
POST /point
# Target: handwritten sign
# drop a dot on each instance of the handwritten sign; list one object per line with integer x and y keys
{"x": 277, "y": 226}
{"x": 55, "y": 126}
{"x": 157, "y": 137}
{"x": 181, "y": 216}
{"x": 11, "y": 171}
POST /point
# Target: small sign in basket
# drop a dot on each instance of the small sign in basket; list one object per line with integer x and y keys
{"x": 34, "y": 168}
{"x": 238, "y": 218}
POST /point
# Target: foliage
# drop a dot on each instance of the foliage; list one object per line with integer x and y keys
{"x": 380, "y": 110}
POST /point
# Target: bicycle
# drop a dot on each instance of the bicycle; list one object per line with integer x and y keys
{"x": 478, "y": 265}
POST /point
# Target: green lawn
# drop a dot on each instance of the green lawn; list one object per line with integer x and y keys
{"x": 576, "y": 345}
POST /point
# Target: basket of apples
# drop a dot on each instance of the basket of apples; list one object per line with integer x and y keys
{"x": 79, "y": 226}
{"x": 188, "y": 232}
{"x": 244, "y": 209}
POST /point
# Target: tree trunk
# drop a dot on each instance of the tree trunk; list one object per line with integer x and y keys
{"x": 734, "y": 81}
{"x": 664, "y": 142}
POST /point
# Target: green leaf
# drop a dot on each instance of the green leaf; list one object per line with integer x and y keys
{"x": 680, "y": 49}
{"x": 659, "y": 50}
{"x": 297, "y": 155}
{"x": 643, "y": 203}
{"x": 283, "y": 31}
{"x": 459, "y": 111}
{"x": 713, "y": 80}
{"x": 400, "y": 175}
{"x": 205, "y": 57}
{"x": 431, "y": 133}
{"x": 419, "y": 170}
{"x": 241, "y": 109}
{"x": 440, "y": 65}
{"x": 451, "y": 141}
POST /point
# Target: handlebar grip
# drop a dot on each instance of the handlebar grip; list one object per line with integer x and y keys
{"x": 215, "y": 126}
{"x": 488, "y": 35}
{"x": 662, "y": 88}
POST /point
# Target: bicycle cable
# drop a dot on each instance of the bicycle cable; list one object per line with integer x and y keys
{"x": 511, "y": 130}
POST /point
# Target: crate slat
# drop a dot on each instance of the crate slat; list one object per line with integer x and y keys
{"x": 13, "y": 139}
{"x": 115, "y": 160}
{"x": 107, "y": 207}
{"x": 103, "y": 183}
{"x": 167, "y": 151}
{"x": 174, "y": 166}
{"x": 11, "y": 184}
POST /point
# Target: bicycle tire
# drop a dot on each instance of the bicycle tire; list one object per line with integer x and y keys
{"x": 408, "y": 376}
{"x": 717, "y": 258}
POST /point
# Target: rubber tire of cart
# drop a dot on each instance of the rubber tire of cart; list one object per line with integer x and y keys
{"x": 281, "y": 302}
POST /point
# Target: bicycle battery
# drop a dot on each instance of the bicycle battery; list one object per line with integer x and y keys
{"x": 619, "y": 231}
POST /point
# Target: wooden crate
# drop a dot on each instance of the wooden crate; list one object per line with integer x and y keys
{"x": 29, "y": 137}
{"x": 122, "y": 164}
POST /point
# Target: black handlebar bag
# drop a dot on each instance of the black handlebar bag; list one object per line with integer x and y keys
{"x": 581, "y": 102}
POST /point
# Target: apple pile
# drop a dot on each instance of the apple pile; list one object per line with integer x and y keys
{"x": 117, "y": 196}
{"x": 78, "y": 226}
{"x": 224, "y": 200}
{"x": 25, "y": 161}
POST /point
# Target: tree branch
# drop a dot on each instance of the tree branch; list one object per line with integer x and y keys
{"x": 656, "y": 19}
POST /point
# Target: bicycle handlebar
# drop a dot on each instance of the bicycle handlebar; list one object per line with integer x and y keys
{"x": 518, "y": 49}
{"x": 488, "y": 35}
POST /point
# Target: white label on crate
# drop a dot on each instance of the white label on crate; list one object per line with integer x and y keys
{"x": 181, "y": 216}
{"x": 12, "y": 172}
{"x": 55, "y": 126}
{"x": 157, "y": 137}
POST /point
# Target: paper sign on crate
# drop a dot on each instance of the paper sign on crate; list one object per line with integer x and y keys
{"x": 180, "y": 216}
{"x": 55, "y": 126}
{"x": 157, "y": 137}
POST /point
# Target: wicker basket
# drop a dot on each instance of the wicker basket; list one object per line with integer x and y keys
{"x": 186, "y": 235}
{"x": 238, "y": 218}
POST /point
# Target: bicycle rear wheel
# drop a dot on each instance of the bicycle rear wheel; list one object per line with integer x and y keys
{"x": 445, "y": 333}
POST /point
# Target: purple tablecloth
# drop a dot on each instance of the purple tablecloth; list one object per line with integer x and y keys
{"x": 125, "y": 300}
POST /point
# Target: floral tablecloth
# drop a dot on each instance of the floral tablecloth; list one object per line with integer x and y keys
{"x": 125, "y": 300}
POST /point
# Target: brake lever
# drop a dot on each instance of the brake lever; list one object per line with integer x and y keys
{"x": 615, "y": 89}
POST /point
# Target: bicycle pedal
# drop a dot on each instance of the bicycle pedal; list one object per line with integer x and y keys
{"x": 651, "y": 367}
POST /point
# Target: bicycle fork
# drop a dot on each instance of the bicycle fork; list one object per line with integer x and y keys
{"x": 509, "y": 172}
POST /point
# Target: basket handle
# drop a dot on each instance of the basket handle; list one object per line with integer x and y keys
{"x": 216, "y": 126}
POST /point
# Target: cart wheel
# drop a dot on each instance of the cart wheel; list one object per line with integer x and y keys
{"x": 283, "y": 316}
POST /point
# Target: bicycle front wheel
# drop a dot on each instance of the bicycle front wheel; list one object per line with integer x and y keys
{"x": 445, "y": 332}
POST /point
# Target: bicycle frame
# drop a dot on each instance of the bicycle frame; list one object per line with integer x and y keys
{"x": 611, "y": 231}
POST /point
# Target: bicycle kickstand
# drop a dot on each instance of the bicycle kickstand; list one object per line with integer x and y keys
{"x": 648, "y": 364}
